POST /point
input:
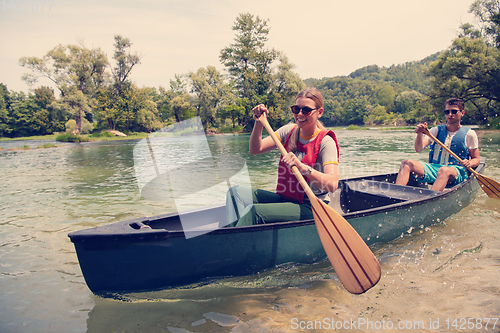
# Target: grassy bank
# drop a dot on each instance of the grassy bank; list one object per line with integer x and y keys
{"x": 40, "y": 137}
{"x": 85, "y": 137}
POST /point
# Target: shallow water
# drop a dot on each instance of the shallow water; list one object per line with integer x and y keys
{"x": 433, "y": 279}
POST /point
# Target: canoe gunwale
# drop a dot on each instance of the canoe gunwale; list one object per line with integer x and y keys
{"x": 130, "y": 229}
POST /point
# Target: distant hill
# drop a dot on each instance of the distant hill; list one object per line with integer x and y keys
{"x": 399, "y": 89}
{"x": 409, "y": 75}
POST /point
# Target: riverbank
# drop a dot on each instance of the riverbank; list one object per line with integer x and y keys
{"x": 87, "y": 137}
{"x": 140, "y": 135}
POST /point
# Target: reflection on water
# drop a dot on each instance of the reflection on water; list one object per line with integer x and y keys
{"x": 447, "y": 271}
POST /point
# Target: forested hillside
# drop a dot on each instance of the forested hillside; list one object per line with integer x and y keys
{"x": 377, "y": 95}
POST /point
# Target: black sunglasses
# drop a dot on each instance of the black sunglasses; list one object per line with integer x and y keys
{"x": 305, "y": 110}
{"x": 454, "y": 111}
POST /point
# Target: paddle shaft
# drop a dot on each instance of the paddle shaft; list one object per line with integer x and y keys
{"x": 295, "y": 170}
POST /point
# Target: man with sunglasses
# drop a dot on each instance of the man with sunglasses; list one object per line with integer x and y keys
{"x": 443, "y": 170}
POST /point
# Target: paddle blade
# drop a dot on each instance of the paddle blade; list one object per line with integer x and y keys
{"x": 489, "y": 186}
{"x": 356, "y": 266}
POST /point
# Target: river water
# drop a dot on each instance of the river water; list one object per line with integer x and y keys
{"x": 444, "y": 278}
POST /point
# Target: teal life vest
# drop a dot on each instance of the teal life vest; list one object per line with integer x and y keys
{"x": 458, "y": 146}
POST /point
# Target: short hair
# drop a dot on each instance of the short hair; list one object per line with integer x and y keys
{"x": 455, "y": 101}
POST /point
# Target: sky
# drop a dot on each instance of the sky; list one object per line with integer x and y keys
{"x": 322, "y": 38}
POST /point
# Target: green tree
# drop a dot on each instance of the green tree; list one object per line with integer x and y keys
{"x": 25, "y": 116}
{"x": 178, "y": 86}
{"x": 355, "y": 112}
{"x": 5, "y": 128}
{"x": 182, "y": 107}
{"x": 488, "y": 14}
{"x": 177, "y": 101}
{"x": 259, "y": 74}
{"x": 44, "y": 98}
{"x": 73, "y": 102}
{"x": 162, "y": 98}
{"x": 109, "y": 97}
{"x": 470, "y": 69}
{"x": 235, "y": 112}
{"x": 70, "y": 67}
{"x": 137, "y": 111}
{"x": 386, "y": 96}
{"x": 105, "y": 113}
{"x": 20, "y": 114}
{"x": 286, "y": 85}
{"x": 125, "y": 62}
{"x": 248, "y": 61}
{"x": 332, "y": 112}
{"x": 378, "y": 116}
{"x": 408, "y": 101}
{"x": 211, "y": 93}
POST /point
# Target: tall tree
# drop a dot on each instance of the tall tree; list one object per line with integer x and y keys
{"x": 488, "y": 14}
{"x": 69, "y": 67}
{"x": 108, "y": 97}
{"x": 470, "y": 69}
{"x": 247, "y": 60}
{"x": 125, "y": 62}
{"x": 259, "y": 74}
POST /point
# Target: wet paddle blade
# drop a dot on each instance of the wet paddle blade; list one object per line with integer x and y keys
{"x": 489, "y": 186}
{"x": 354, "y": 263}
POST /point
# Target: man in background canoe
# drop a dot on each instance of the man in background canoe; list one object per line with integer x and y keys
{"x": 311, "y": 148}
{"x": 443, "y": 170}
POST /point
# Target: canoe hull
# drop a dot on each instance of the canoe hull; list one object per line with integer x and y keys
{"x": 122, "y": 257}
{"x": 151, "y": 264}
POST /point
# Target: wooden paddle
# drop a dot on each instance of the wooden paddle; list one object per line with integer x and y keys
{"x": 489, "y": 186}
{"x": 356, "y": 266}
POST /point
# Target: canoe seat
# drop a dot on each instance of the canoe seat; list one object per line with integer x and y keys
{"x": 368, "y": 194}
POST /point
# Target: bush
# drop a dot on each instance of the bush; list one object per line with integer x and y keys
{"x": 86, "y": 126}
{"x": 104, "y": 134}
{"x": 356, "y": 127}
{"x": 68, "y": 137}
{"x": 47, "y": 145}
{"x": 225, "y": 129}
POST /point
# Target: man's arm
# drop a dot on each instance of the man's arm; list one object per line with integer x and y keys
{"x": 474, "y": 160}
{"x": 472, "y": 143}
{"x": 420, "y": 141}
